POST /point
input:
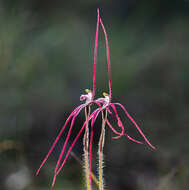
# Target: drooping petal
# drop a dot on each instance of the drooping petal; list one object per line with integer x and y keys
{"x": 134, "y": 140}
{"x": 96, "y": 112}
{"x": 67, "y": 138}
{"x": 58, "y": 137}
{"x": 118, "y": 119}
{"x": 135, "y": 124}
{"x": 70, "y": 149}
{"x": 116, "y": 132}
{"x": 115, "y": 111}
{"x": 121, "y": 134}
{"x": 109, "y": 111}
{"x": 121, "y": 125}
{"x": 67, "y": 154}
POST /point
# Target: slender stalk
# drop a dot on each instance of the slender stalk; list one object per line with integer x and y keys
{"x": 100, "y": 151}
{"x": 86, "y": 149}
{"x": 93, "y": 176}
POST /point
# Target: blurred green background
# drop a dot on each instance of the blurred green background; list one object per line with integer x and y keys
{"x": 46, "y": 62}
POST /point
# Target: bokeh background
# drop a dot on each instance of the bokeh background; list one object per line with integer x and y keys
{"x": 46, "y": 56}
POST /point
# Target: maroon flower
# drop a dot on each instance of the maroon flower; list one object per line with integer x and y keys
{"x": 107, "y": 105}
{"x": 103, "y": 104}
{"x": 88, "y": 98}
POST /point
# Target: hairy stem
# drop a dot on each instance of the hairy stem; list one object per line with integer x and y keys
{"x": 93, "y": 176}
{"x": 100, "y": 151}
{"x": 86, "y": 149}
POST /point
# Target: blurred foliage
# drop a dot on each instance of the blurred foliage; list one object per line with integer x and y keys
{"x": 46, "y": 56}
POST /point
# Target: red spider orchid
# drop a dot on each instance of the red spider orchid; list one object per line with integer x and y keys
{"x": 106, "y": 103}
{"x": 73, "y": 115}
{"x": 104, "y": 106}
{"x": 88, "y": 98}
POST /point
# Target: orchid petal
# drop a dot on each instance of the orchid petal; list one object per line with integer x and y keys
{"x": 70, "y": 149}
{"x": 135, "y": 124}
{"x": 107, "y": 108}
{"x": 116, "y": 132}
{"x": 118, "y": 119}
{"x": 67, "y": 138}
{"x": 68, "y": 153}
{"x": 57, "y": 138}
{"x": 121, "y": 125}
{"x": 134, "y": 140}
{"x": 96, "y": 112}
{"x": 63, "y": 149}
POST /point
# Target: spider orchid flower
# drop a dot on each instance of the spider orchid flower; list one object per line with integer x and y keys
{"x": 107, "y": 105}
{"x": 93, "y": 116}
{"x": 88, "y": 98}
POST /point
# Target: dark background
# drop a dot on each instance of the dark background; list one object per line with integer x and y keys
{"x": 46, "y": 56}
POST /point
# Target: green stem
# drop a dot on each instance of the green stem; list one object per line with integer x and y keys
{"x": 93, "y": 176}
{"x": 100, "y": 151}
{"x": 86, "y": 149}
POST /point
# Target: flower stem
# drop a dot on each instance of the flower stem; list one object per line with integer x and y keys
{"x": 100, "y": 151}
{"x": 86, "y": 149}
{"x": 93, "y": 176}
